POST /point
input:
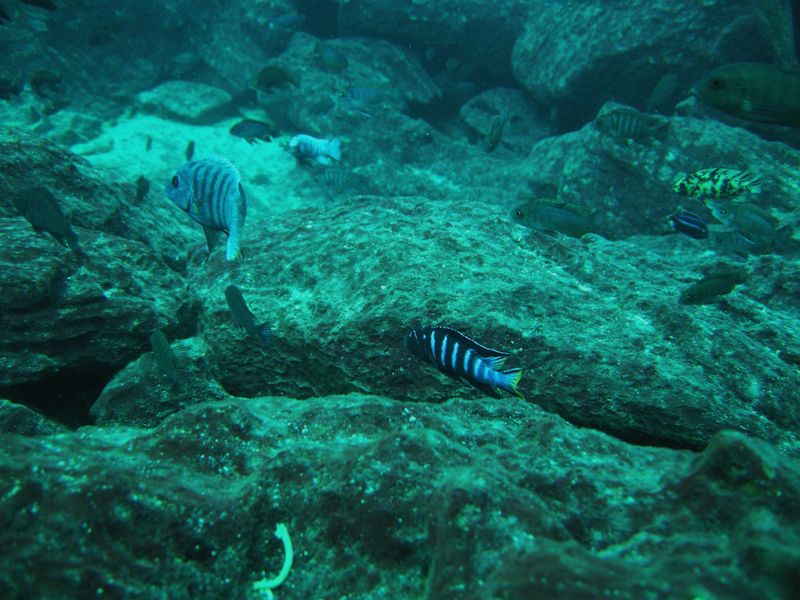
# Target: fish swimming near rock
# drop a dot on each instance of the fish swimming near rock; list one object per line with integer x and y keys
{"x": 754, "y": 92}
{"x": 663, "y": 91}
{"x": 44, "y": 4}
{"x": 43, "y": 211}
{"x": 273, "y": 76}
{"x": 462, "y": 358}
{"x": 630, "y": 124}
{"x": 717, "y": 183}
{"x": 142, "y": 188}
{"x": 164, "y": 356}
{"x": 553, "y": 215}
{"x": 244, "y": 318}
{"x": 211, "y": 193}
{"x": 711, "y": 287}
{"x": 320, "y": 151}
{"x": 689, "y": 223}
{"x": 762, "y": 232}
{"x": 252, "y": 130}
{"x": 495, "y": 134}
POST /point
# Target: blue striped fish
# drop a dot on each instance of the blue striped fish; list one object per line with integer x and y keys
{"x": 690, "y": 224}
{"x": 460, "y": 357}
{"x": 211, "y": 193}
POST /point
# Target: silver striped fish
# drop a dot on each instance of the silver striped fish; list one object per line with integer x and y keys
{"x": 211, "y": 193}
{"x": 460, "y": 357}
{"x": 322, "y": 151}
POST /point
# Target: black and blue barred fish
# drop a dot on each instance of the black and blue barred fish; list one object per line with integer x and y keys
{"x": 460, "y": 357}
{"x": 210, "y": 191}
{"x": 689, "y": 224}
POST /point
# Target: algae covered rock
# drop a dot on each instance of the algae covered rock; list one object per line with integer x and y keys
{"x": 577, "y": 55}
{"x": 398, "y": 485}
{"x": 186, "y": 100}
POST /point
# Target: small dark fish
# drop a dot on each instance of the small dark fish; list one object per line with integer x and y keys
{"x": 332, "y": 58}
{"x": 45, "y": 83}
{"x": 211, "y": 193}
{"x": 711, "y": 287}
{"x": 337, "y": 181}
{"x": 273, "y": 76}
{"x": 663, "y": 91}
{"x": 43, "y": 212}
{"x": 552, "y": 215}
{"x": 285, "y": 22}
{"x": 9, "y": 88}
{"x": 148, "y": 145}
{"x": 45, "y": 4}
{"x": 753, "y": 91}
{"x": 244, "y": 318}
{"x": 190, "y": 150}
{"x": 165, "y": 357}
{"x": 626, "y": 123}
{"x": 689, "y": 224}
{"x": 460, "y": 357}
{"x": 253, "y": 130}
{"x": 142, "y": 188}
{"x": 495, "y": 133}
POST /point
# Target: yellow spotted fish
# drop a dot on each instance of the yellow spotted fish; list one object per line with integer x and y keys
{"x": 717, "y": 183}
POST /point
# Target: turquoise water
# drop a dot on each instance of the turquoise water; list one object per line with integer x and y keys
{"x": 367, "y": 299}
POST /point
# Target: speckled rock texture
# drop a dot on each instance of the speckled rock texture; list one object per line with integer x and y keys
{"x": 389, "y": 499}
{"x": 655, "y": 454}
{"x": 575, "y": 55}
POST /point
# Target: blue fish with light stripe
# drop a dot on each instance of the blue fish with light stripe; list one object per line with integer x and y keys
{"x": 211, "y": 193}
{"x": 460, "y": 357}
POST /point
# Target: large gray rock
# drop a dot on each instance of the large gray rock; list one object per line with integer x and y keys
{"x": 70, "y": 322}
{"x": 385, "y": 498}
{"x": 480, "y": 32}
{"x": 575, "y": 55}
{"x": 190, "y": 101}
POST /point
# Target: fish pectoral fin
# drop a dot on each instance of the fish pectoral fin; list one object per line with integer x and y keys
{"x": 212, "y": 238}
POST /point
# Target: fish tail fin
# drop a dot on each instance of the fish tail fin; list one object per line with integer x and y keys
{"x": 512, "y": 377}
{"x": 264, "y": 333}
{"x": 335, "y": 149}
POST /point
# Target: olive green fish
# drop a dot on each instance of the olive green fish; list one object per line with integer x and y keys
{"x": 760, "y": 230}
{"x": 553, "y": 215}
{"x": 711, "y": 287}
{"x": 717, "y": 183}
{"x": 43, "y": 212}
{"x": 165, "y": 358}
{"x": 495, "y": 134}
{"x": 753, "y": 91}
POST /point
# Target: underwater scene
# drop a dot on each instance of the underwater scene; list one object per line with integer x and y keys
{"x": 402, "y": 299}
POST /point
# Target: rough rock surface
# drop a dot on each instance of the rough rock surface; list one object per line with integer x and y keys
{"x": 391, "y": 499}
{"x": 576, "y": 55}
{"x": 186, "y": 100}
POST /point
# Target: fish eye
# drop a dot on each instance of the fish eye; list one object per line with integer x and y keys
{"x": 715, "y": 83}
{"x": 175, "y": 181}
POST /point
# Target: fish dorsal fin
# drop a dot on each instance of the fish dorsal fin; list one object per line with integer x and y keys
{"x": 483, "y": 351}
